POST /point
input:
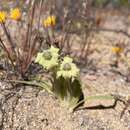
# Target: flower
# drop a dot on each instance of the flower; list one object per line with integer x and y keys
{"x": 50, "y": 21}
{"x": 15, "y": 14}
{"x": 2, "y": 16}
{"x": 68, "y": 69}
{"x": 116, "y": 50}
{"x": 54, "y": 51}
{"x": 48, "y": 58}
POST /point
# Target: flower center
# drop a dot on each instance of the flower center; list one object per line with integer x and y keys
{"x": 47, "y": 55}
{"x": 67, "y": 67}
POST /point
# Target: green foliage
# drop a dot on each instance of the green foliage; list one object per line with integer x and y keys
{"x": 115, "y": 3}
{"x": 99, "y": 3}
{"x": 65, "y": 76}
{"x": 121, "y": 3}
{"x": 69, "y": 91}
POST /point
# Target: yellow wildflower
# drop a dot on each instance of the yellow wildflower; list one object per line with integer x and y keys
{"x": 45, "y": 24}
{"x": 50, "y": 21}
{"x": 15, "y": 14}
{"x": 2, "y": 16}
{"x": 117, "y": 50}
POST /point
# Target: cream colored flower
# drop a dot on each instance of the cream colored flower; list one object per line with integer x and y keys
{"x": 48, "y": 58}
{"x": 68, "y": 69}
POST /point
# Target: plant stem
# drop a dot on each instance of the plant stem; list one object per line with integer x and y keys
{"x": 42, "y": 84}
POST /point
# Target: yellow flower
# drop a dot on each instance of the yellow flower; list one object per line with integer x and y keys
{"x": 45, "y": 24}
{"x": 117, "y": 50}
{"x": 15, "y": 14}
{"x": 50, "y": 21}
{"x": 2, "y": 16}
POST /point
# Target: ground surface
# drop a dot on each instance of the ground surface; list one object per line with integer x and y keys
{"x": 26, "y": 108}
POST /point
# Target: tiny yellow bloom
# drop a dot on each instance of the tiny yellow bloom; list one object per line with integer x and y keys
{"x": 45, "y": 24}
{"x": 15, "y": 14}
{"x": 117, "y": 49}
{"x": 2, "y": 16}
{"x": 52, "y": 20}
{"x": 49, "y": 21}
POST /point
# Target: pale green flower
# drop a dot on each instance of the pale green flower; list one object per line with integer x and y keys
{"x": 68, "y": 69}
{"x": 48, "y": 58}
{"x": 54, "y": 51}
